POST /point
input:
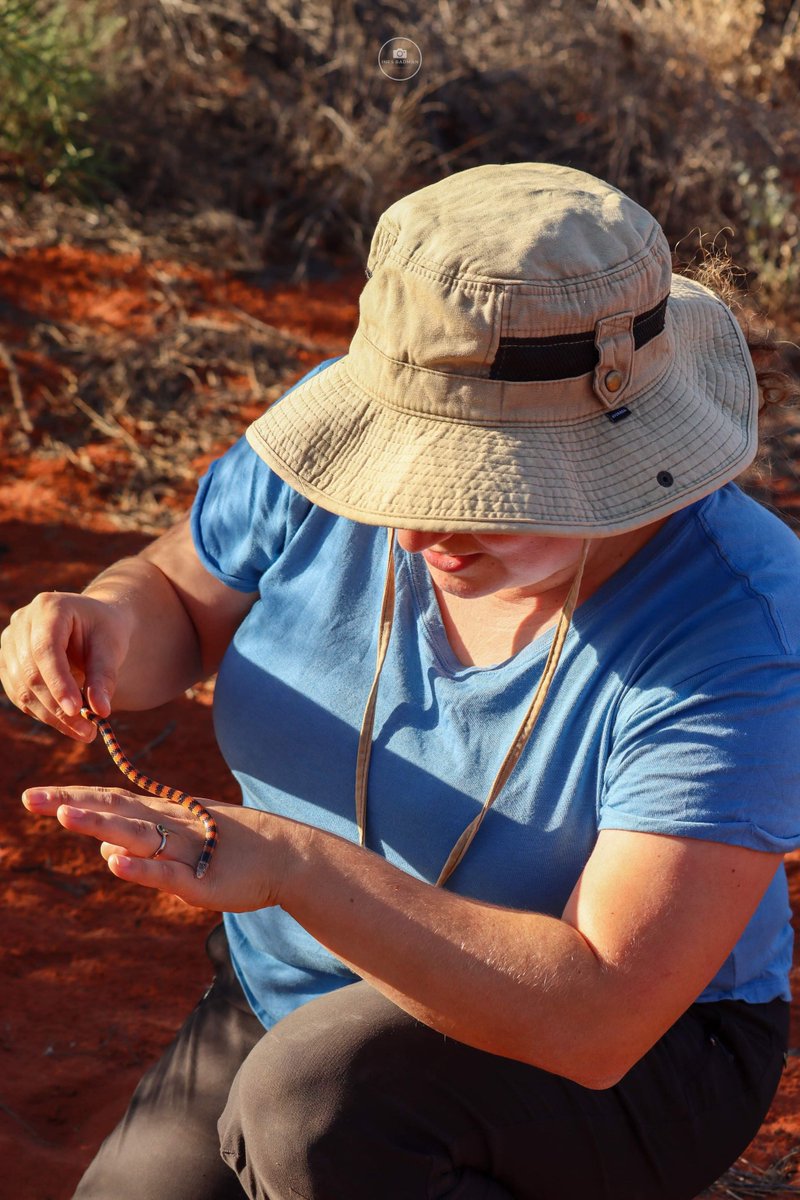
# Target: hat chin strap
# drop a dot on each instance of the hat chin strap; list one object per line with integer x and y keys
{"x": 520, "y": 738}
{"x": 368, "y": 722}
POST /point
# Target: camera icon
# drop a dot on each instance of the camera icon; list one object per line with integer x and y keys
{"x": 398, "y": 58}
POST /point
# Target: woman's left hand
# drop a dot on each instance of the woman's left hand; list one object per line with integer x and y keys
{"x": 245, "y": 872}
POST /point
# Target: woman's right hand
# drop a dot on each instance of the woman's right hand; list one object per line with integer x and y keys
{"x": 145, "y": 629}
{"x": 57, "y": 646}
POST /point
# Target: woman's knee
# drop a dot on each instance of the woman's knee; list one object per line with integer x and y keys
{"x": 315, "y": 1096}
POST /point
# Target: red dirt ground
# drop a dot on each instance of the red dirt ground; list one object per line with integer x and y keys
{"x": 97, "y": 974}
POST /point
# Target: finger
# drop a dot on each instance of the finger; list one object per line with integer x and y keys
{"x": 108, "y": 848}
{"x": 101, "y": 678}
{"x": 131, "y": 838}
{"x": 134, "y": 837}
{"x": 40, "y": 802}
{"x": 45, "y": 801}
{"x": 98, "y": 696}
{"x": 38, "y": 637}
{"x": 25, "y": 688}
{"x": 162, "y": 874}
{"x": 52, "y": 631}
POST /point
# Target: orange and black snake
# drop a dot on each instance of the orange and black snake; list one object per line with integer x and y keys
{"x": 158, "y": 789}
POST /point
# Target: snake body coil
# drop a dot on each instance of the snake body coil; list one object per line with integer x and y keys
{"x": 158, "y": 789}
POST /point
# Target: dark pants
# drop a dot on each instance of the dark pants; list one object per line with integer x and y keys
{"x": 349, "y": 1098}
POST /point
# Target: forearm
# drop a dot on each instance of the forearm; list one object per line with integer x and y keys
{"x": 163, "y": 656}
{"x": 649, "y": 923}
{"x": 517, "y": 984}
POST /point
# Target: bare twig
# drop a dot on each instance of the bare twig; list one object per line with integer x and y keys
{"x": 110, "y": 427}
{"x": 292, "y": 339}
{"x": 745, "y": 1179}
{"x": 168, "y": 729}
{"x": 31, "y": 1132}
{"x": 17, "y": 397}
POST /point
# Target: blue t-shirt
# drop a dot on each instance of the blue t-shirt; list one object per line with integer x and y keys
{"x": 675, "y": 709}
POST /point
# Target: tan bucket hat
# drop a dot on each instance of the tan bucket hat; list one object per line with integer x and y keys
{"x": 524, "y": 360}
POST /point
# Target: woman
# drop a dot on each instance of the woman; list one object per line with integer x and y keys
{"x": 561, "y": 719}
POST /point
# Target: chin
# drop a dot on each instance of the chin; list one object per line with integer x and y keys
{"x": 466, "y": 589}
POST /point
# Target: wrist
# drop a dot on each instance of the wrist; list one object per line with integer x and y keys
{"x": 291, "y": 859}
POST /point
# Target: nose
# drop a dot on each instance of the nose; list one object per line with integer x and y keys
{"x": 417, "y": 540}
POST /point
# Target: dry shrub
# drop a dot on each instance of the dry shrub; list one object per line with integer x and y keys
{"x": 266, "y": 130}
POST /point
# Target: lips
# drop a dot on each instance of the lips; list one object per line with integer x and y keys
{"x": 451, "y": 563}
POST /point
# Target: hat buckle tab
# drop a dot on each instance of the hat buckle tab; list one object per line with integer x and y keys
{"x": 614, "y": 340}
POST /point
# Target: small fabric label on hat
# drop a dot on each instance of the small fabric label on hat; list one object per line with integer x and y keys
{"x": 618, "y": 414}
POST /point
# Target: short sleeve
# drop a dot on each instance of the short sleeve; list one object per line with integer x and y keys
{"x": 715, "y": 757}
{"x": 244, "y": 514}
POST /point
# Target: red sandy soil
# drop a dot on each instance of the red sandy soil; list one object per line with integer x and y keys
{"x": 96, "y": 974}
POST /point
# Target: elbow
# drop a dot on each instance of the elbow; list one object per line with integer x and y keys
{"x": 599, "y": 1082}
{"x": 593, "y": 1068}
{"x": 597, "y": 1077}
{"x": 599, "y": 1066}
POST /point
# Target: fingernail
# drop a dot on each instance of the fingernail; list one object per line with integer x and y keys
{"x": 69, "y": 707}
{"x": 34, "y": 798}
{"x": 68, "y": 811}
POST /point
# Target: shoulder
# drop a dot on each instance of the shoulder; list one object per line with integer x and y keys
{"x": 751, "y": 560}
{"x": 720, "y": 581}
{"x": 716, "y": 588}
{"x": 735, "y": 520}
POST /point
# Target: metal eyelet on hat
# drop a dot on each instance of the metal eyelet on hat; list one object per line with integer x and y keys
{"x": 665, "y": 479}
{"x": 613, "y": 381}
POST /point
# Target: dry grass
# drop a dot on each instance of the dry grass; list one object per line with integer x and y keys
{"x": 166, "y": 401}
{"x": 139, "y": 413}
{"x": 744, "y": 1179}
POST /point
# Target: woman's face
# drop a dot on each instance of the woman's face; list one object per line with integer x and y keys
{"x": 479, "y": 564}
{"x": 520, "y": 565}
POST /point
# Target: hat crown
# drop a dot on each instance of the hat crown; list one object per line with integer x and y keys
{"x": 519, "y": 249}
{"x": 529, "y": 222}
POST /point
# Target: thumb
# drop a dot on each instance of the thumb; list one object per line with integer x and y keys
{"x": 101, "y": 682}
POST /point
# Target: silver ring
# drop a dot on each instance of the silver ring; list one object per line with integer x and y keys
{"x": 162, "y": 829}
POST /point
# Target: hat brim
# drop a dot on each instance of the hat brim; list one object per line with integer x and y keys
{"x": 374, "y": 462}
